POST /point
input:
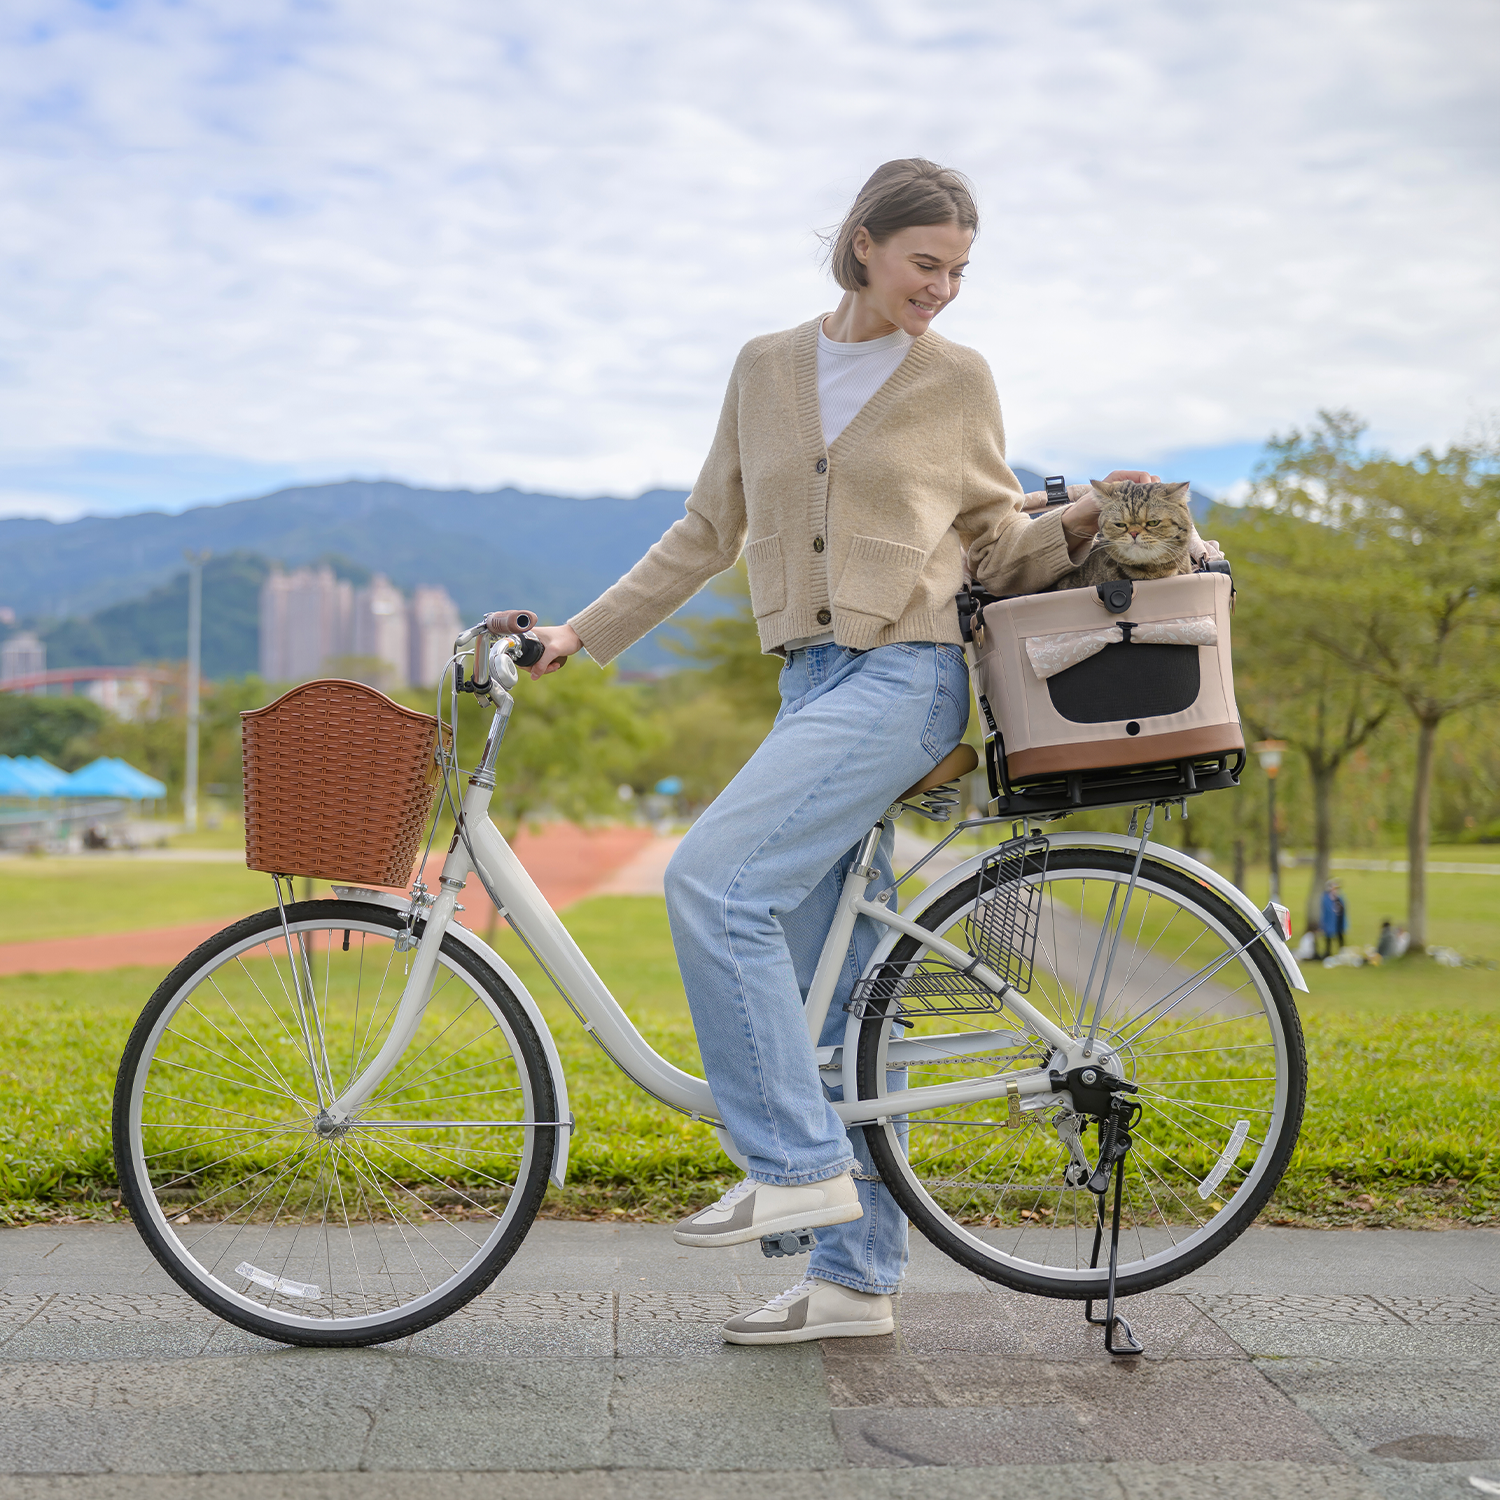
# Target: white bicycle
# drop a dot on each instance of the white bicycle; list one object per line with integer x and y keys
{"x": 335, "y": 1120}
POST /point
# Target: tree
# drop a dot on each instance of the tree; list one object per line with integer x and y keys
{"x": 57, "y": 729}
{"x": 1290, "y": 686}
{"x": 1414, "y": 605}
{"x": 572, "y": 739}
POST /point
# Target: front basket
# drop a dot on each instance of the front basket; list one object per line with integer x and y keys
{"x": 339, "y": 784}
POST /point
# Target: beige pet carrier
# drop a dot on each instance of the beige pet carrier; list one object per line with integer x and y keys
{"x": 1102, "y": 696}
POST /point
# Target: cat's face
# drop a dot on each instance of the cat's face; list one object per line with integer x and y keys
{"x": 1143, "y": 524}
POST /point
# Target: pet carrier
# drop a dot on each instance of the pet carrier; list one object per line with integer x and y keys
{"x": 1107, "y": 696}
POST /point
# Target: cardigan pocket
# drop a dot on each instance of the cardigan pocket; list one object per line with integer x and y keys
{"x": 879, "y": 578}
{"x": 767, "y": 569}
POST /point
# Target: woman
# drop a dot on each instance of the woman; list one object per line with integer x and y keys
{"x": 857, "y": 458}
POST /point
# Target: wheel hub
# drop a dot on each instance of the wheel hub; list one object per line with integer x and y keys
{"x": 330, "y": 1129}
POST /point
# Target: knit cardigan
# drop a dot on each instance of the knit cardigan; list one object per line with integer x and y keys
{"x": 866, "y": 535}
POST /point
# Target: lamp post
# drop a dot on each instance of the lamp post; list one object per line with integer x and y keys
{"x": 194, "y": 661}
{"x": 1269, "y": 752}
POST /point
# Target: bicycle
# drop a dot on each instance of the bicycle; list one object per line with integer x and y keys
{"x": 335, "y": 1120}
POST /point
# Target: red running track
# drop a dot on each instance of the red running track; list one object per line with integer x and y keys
{"x": 566, "y": 861}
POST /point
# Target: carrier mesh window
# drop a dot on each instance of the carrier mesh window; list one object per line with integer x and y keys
{"x": 1127, "y": 682}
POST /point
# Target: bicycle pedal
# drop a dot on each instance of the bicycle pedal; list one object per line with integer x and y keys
{"x": 789, "y": 1242}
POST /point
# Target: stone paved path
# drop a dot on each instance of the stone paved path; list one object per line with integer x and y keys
{"x": 1341, "y": 1365}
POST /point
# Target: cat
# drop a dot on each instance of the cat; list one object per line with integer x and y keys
{"x": 1144, "y": 532}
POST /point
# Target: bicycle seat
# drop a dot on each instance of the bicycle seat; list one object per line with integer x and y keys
{"x": 959, "y": 761}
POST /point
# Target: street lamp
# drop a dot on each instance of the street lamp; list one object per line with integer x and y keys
{"x": 194, "y": 661}
{"x": 1269, "y": 752}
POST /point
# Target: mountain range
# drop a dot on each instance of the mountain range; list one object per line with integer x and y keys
{"x": 112, "y": 589}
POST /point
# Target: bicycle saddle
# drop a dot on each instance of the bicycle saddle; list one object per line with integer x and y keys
{"x": 959, "y": 761}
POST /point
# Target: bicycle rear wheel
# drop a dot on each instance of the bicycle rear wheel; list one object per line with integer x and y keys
{"x": 1209, "y": 1035}
{"x": 378, "y": 1229}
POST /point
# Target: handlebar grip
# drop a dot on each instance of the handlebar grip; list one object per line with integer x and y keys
{"x": 510, "y": 621}
{"x": 530, "y": 653}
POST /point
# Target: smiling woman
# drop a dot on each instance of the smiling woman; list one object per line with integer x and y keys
{"x": 858, "y": 462}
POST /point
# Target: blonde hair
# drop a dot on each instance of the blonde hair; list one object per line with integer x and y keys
{"x": 900, "y": 195}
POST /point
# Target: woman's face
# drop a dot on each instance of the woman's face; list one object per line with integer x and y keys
{"x": 915, "y": 274}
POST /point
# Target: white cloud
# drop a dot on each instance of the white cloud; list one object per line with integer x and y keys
{"x": 475, "y": 244}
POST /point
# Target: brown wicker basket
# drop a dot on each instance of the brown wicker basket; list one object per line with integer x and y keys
{"x": 339, "y": 784}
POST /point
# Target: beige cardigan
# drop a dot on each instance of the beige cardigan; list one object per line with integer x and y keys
{"x": 866, "y": 536}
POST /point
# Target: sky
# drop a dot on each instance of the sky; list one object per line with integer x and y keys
{"x": 461, "y": 242}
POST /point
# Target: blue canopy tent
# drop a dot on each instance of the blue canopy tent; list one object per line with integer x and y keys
{"x": 18, "y": 778}
{"x": 109, "y": 777}
{"x": 49, "y": 773}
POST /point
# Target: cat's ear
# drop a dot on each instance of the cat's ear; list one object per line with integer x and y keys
{"x": 1105, "y": 489}
{"x": 1179, "y": 492}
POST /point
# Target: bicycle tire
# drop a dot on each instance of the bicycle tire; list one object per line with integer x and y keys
{"x": 431, "y": 1241}
{"x": 977, "y": 1240}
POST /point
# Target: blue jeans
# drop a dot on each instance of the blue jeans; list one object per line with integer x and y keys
{"x": 752, "y": 891}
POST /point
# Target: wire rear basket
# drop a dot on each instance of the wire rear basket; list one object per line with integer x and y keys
{"x": 1003, "y": 926}
{"x": 1000, "y": 932}
{"x": 339, "y": 784}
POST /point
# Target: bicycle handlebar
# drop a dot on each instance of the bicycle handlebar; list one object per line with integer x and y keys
{"x": 510, "y": 621}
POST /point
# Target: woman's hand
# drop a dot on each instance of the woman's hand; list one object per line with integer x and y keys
{"x": 561, "y": 642}
{"x": 1081, "y": 518}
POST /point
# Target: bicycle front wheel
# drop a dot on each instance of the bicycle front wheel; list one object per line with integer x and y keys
{"x": 1197, "y": 1014}
{"x": 370, "y": 1231}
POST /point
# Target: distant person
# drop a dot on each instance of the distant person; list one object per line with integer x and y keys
{"x": 857, "y": 457}
{"x": 1335, "y": 918}
{"x": 1385, "y": 945}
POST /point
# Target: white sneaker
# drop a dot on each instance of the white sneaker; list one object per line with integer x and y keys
{"x": 755, "y": 1208}
{"x": 813, "y": 1310}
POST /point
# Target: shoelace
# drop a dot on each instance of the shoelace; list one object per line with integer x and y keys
{"x": 733, "y": 1196}
{"x": 790, "y": 1295}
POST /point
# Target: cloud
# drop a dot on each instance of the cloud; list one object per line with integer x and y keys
{"x": 472, "y": 244}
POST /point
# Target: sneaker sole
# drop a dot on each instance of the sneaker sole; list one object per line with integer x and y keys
{"x": 846, "y": 1214}
{"x": 807, "y": 1335}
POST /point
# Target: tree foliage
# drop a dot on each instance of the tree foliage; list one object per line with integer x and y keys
{"x": 1391, "y": 568}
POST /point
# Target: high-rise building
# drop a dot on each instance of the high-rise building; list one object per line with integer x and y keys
{"x": 381, "y": 629}
{"x": 434, "y": 625}
{"x": 305, "y": 619}
{"x": 23, "y": 655}
{"x": 312, "y": 623}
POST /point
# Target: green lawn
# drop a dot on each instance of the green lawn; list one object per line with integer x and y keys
{"x": 1400, "y": 1128}
{"x": 53, "y": 898}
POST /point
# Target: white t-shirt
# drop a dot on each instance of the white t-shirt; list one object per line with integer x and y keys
{"x": 848, "y": 375}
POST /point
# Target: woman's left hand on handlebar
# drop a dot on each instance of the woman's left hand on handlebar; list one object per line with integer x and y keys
{"x": 561, "y": 642}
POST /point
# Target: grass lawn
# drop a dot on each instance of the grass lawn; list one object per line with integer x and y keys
{"x": 1399, "y": 1128}
{"x": 54, "y": 898}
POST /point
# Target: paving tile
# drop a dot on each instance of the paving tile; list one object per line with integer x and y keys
{"x": 301, "y": 1410}
{"x": 744, "y": 1408}
{"x": 511, "y": 1413}
{"x": 1193, "y": 1411}
{"x": 1169, "y": 1326}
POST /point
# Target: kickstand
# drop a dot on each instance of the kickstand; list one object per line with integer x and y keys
{"x": 1111, "y": 1321}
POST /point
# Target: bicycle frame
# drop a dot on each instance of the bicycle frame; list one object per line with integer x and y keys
{"x": 479, "y": 847}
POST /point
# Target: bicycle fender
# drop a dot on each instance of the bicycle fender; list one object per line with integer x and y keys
{"x": 533, "y": 1011}
{"x": 1173, "y": 858}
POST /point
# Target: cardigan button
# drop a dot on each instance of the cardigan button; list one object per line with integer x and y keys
{"x": 817, "y": 544}
{"x": 824, "y": 618}
{"x": 822, "y": 466}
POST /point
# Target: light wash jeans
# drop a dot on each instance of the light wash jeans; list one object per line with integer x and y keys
{"x": 751, "y": 893}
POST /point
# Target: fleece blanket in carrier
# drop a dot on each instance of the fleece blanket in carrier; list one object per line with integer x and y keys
{"x": 1097, "y": 697}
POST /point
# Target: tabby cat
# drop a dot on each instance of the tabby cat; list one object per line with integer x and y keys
{"x": 1144, "y": 531}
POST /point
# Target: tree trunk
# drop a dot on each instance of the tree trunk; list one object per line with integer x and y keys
{"x": 1418, "y": 833}
{"x": 1322, "y": 785}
